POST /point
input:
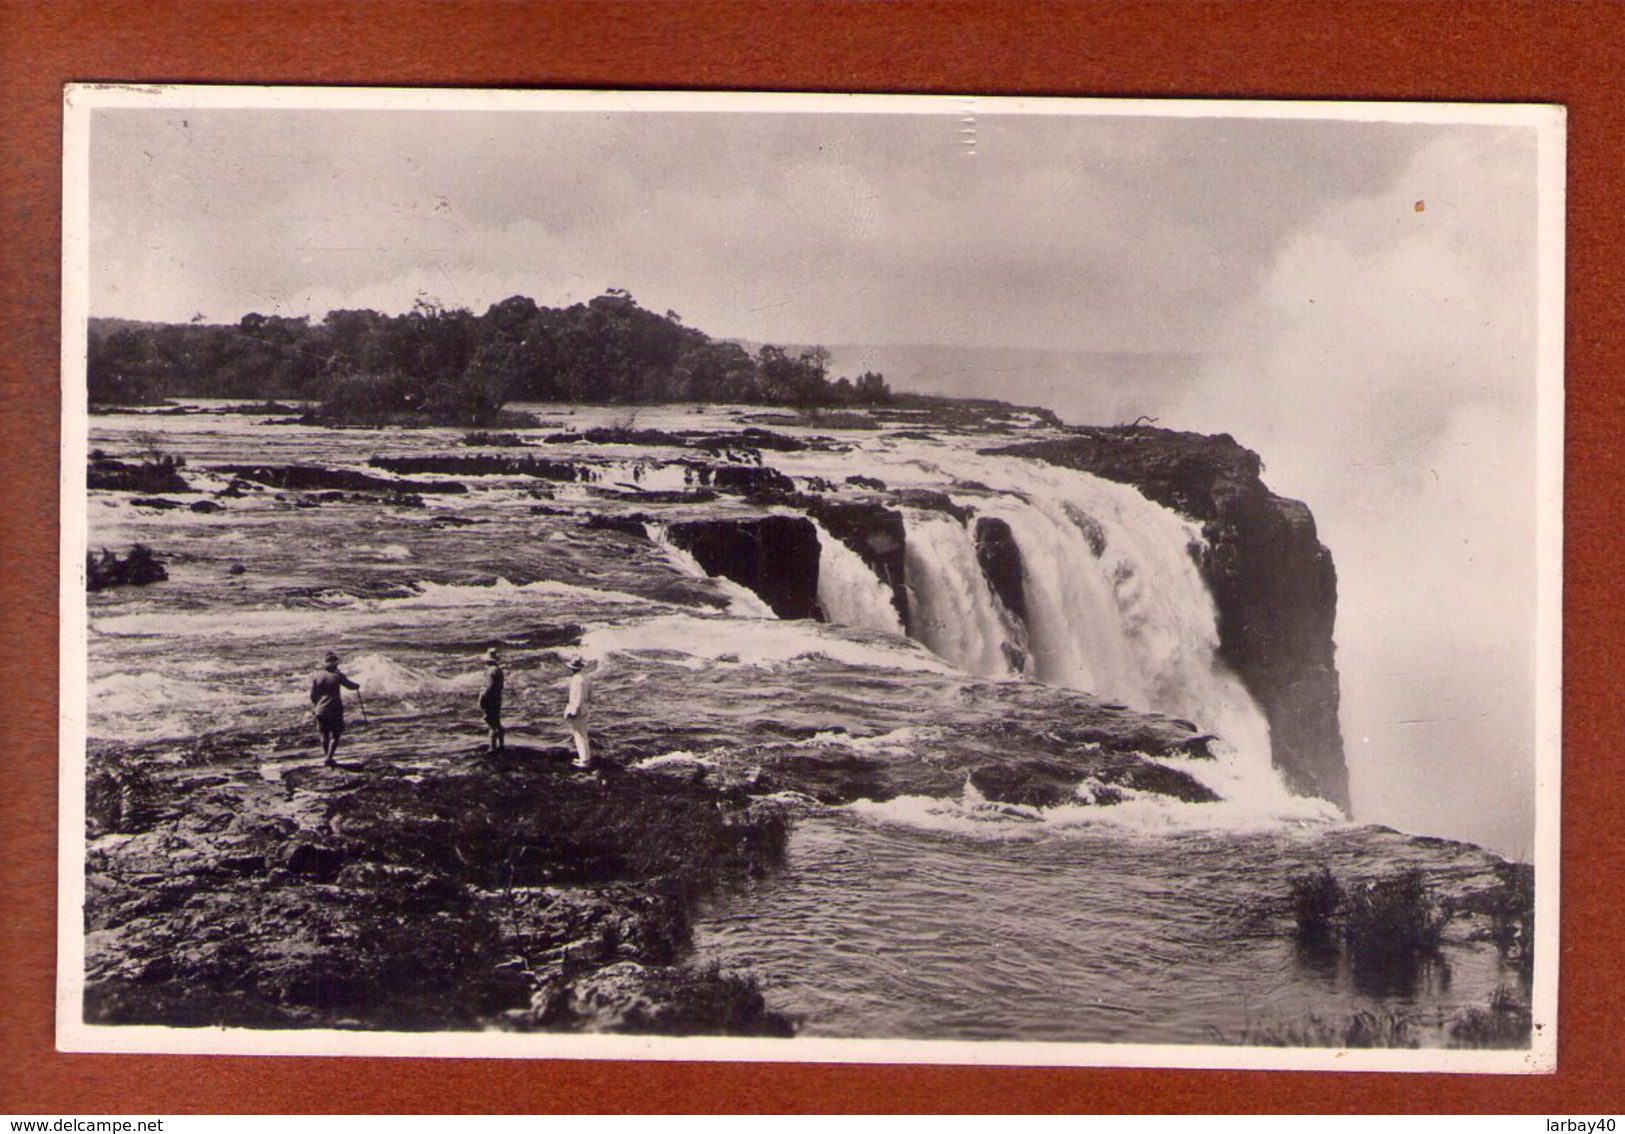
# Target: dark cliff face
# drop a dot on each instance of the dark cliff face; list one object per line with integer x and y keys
{"x": 1000, "y": 560}
{"x": 1273, "y": 582}
{"x": 775, "y": 556}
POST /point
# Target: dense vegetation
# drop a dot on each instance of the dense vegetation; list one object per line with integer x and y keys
{"x": 451, "y": 365}
{"x": 1389, "y": 929}
{"x": 1384, "y": 921}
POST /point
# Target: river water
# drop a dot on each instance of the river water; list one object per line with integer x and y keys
{"x": 896, "y": 921}
{"x": 938, "y": 917}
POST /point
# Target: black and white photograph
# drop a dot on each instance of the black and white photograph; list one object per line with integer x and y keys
{"x": 923, "y": 579}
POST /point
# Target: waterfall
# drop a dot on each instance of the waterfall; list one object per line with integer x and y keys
{"x": 954, "y": 611}
{"x": 1134, "y": 621}
{"x": 1115, "y": 605}
{"x": 1113, "y": 601}
{"x": 849, "y": 591}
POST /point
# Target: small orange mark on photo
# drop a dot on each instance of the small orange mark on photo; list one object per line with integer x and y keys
{"x": 1421, "y": 206}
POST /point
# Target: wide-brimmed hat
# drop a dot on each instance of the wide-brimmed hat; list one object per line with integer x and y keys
{"x": 331, "y": 658}
{"x": 492, "y": 657}
{"x": 578, "y": 663}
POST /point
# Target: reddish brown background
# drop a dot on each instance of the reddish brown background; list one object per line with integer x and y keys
{"x": 1572, "y": 53}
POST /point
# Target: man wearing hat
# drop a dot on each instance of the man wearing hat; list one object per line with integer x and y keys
{"x": 491, "y": 700}
{"x": 327, "y": 701}
{"x": 576, "y": 712}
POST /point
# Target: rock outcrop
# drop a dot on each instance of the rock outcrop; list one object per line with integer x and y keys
{"x": 743, "y": 479}
{"x": 158, "y": 475}
{"x": 315, "y": 478}
{"x": 483, "y": 464}
{"x": 774, "y": 556}
{"x": 470, "y": 896}
{"x": 1000, "y": 560}
{"x": 136, "y": 569}
{"x": 1272, "y": 580}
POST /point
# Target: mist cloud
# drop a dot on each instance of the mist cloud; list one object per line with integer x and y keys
{"x": 1385, "y": 368}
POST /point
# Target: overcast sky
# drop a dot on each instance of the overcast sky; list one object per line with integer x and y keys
{"x": 1092, "y": 233}
{"x": 1360, "y": 296}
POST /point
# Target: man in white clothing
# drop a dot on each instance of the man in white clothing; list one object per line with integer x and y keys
{"x": 577, "y": 711}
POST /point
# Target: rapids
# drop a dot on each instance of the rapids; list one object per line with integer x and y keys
{"x": 926, "y": 916}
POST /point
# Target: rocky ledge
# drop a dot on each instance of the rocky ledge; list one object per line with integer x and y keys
{"x": 513, "y": 893}
{"x": 234, "y": 881}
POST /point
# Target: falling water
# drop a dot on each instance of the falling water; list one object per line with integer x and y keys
{"x": 953, "y": 610}
{"x": 1115, "y": 599}
{"x": 1115, "y": 606}
{"x": 849, "y": 591}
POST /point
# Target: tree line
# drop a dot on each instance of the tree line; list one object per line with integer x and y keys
{"x": 450, "y": 364}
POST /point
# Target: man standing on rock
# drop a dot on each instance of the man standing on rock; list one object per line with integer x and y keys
{"x": 327, "y": 701}
{"x": 491, "y": 700}
{"x": 578, "y": 709}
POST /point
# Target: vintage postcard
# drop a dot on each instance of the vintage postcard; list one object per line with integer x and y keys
{"x": 783, "y": 577}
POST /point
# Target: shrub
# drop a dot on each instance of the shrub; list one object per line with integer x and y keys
{"x": 150, "y": 446}
{"x": 1368, "y": 1029}
{"x": 1316, "y": 898}
{"x": 1512, "y": 913}
{"x": 1392, "y": 917}
{"x": 367, "y": 397}
{"x": 1504, "y": 1023}
{"x": 118, "y": 795}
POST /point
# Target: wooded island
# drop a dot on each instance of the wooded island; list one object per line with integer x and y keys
{"x": 449, "y": 366}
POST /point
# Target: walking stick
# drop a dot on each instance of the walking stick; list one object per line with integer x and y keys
{"x": 362, "y": 705}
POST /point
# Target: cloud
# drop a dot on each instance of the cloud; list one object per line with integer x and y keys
{"x": 1059, "y": 232}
